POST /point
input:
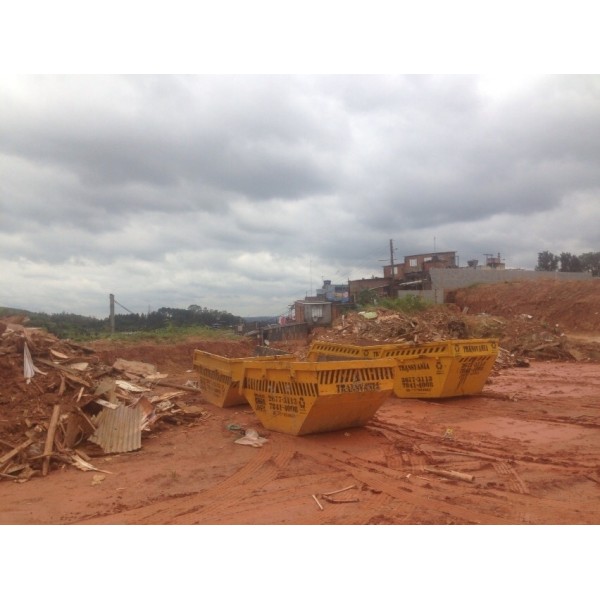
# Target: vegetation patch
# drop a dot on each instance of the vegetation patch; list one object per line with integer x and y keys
{"x": 409, "y": 304}
{"x": 168, "y": 324}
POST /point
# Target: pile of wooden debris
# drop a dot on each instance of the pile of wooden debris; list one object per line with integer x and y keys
{"x": 57, "y": 398}
{"x": 384, "y": 326}
{"x": 520, "y": 337}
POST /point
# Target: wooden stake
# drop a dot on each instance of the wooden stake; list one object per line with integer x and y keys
{"x": 50, "y": 439}
{"x": 451, "y": 474}
{"x": 338, "y": 491}
{"x": 79, "y": 395}
{"x": 317, "y": 501}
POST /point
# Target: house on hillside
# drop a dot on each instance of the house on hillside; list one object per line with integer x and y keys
{"x": 375, "y": 287}
{"x": 321, "y": 310}
{"x": 334, "y": 292}
{"x": 432, "y": 276}
{"x": 317, "y": 312}
{"x": 420, "y": 263}
{"x": 407, "y": 277}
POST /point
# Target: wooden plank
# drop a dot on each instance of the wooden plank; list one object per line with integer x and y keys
{"x": 186, "y": 388}
{"x": 450, "y": 474}
{"x": 70, "y": 374}
{"x": 87, "y": 419}
{"x": 15, "y": 451}
{"x": 63, "y": 385}
{"x": 50, "y": 439}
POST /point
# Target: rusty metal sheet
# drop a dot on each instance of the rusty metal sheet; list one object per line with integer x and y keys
{"x": 119, "y": 429}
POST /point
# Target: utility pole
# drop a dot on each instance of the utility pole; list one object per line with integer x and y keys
{"x": 393, "y": 268}
{"x": 112, "y": 313}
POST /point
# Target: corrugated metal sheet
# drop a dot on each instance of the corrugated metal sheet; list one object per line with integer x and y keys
{"x": 119, "y": 429}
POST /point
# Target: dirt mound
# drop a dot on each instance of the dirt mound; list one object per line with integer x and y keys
{"x": 166, "y": 356}
{"x": 573, "y": 306}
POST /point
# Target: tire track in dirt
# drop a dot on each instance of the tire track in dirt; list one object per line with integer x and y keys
{"x": 262, "y": 468}
{"x": 344, "y": 513}
{"x": 426, "y": 444}
{"x": 293, "y": 503}
{"x": 393, "y": 484}
{"x": 238, "y": 497}
{"x": 493, "y": 449}
{"x": 418, "y": 497}
{"x": 516, "y": 484}
{"x": 244, "y": 483}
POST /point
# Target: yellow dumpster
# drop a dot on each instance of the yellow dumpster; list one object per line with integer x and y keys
{"x": 299, "y": 398}
{"x": 455, "y": 368}
{"x": 219, "y": 376}
{"x": 323, "y": 351}
{"x": 430, "y": 370}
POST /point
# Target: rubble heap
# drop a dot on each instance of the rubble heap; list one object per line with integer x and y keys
{"x": 520, "y": 337}
{"x": 385, "y": 326}
{"x": 57, "y": 396}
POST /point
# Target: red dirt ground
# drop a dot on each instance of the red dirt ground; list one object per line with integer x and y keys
{"x": 530, "y": 441}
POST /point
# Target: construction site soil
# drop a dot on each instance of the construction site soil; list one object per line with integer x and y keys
{"x": 526, "y": 450}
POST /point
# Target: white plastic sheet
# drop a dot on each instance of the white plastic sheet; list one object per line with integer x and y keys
{"x": 251, "y": 438}
{"x": 29, "y": 369}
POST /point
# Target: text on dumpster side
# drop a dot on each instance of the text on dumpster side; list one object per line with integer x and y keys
{"x": 286, "y": 405}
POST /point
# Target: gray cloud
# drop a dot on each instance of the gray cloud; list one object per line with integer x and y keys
{"x": 241, "y": 192}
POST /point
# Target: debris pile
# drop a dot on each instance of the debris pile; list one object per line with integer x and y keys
{"x": 59, "y": 404}
{"x": 385, "y": 326}
{"x": 521, "y": 336}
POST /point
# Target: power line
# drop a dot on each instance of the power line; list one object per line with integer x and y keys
{"x": 125, "y": 308}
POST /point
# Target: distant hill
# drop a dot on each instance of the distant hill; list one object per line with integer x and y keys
{"x": 8, "y": 312}
{"x": 68, "y": 325}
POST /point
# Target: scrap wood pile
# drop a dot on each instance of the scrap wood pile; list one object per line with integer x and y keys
{"x": 520, "y": 337}
{"x": 525, "y": 336}
{"x": 57, "y": 397}
{"x": 383, "y": 326}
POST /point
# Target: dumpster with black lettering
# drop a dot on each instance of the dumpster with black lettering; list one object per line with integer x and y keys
{"x": 299, "y": 398}
{"x": 441, "y": 369}
{"x": 220, "y": 376}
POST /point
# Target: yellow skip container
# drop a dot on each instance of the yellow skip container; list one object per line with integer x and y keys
{"x": 299, "y": 398}
{"x": 220, "y": 377}
{"x": 323, "y": 351}
{"x": 430, "y": 370}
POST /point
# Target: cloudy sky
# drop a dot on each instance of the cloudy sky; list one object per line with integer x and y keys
{"x": 243, "y": 192}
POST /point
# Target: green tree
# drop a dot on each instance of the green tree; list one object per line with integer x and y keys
{"x": 366, "y": 298}
{"x": 590, "y": 261}
{"x": 569, "y": 263}
{"x": 547, "y": 261}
